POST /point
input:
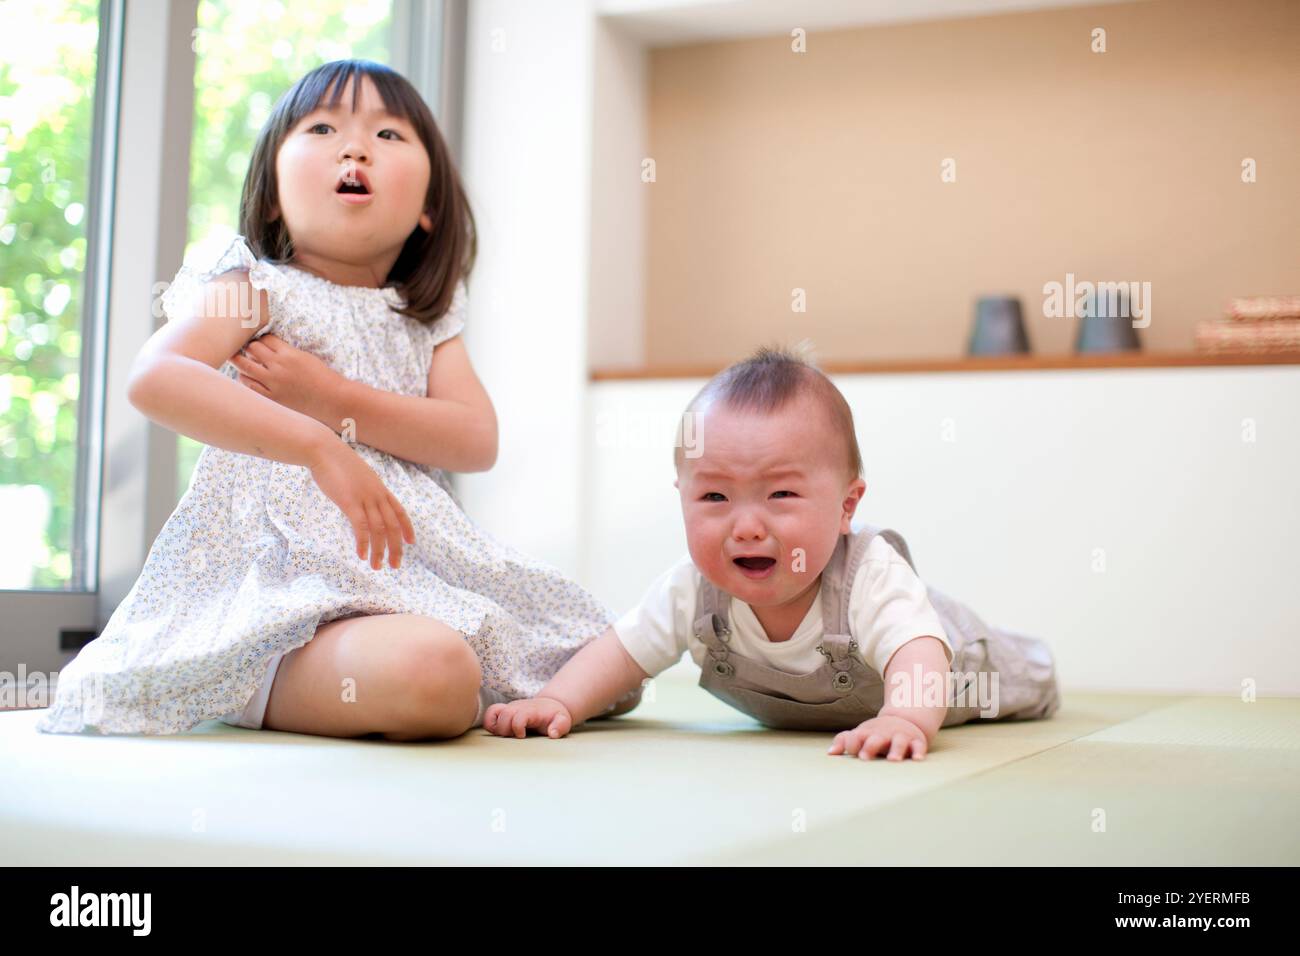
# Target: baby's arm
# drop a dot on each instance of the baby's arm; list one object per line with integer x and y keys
{"x": 175, "y": 382}
{"x": 595, "y": 678}
{"x": 589, "y": 684}
{"x": 904, "y": 697}
{"x": 906, "y": 720}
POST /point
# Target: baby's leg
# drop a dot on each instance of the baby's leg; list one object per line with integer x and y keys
{"x": 405, "y": 676}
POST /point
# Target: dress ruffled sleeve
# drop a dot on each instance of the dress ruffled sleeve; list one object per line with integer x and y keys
{"x": 203, "y": 267}
{"x": 453, "y": 322}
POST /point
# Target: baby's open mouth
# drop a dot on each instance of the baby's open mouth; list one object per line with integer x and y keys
{"x": 347, "y": 187}
{"x": 755, "y": 564}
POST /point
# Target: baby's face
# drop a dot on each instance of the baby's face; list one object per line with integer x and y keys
{"x": 330, "y": 145}
{"x": 770, "y": 489}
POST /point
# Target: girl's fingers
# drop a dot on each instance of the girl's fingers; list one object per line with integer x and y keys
{"x": 244, "y": 363}
{"x": 358, "y": 522}
{"x": 376, "y": 528}
{"x": 394, "y": 533}
{"x": 242, "y": 366}
{"x": 919, "y": 747}
{"x": 407, "y": 528}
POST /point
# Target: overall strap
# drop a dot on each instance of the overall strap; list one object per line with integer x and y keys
{"x": 838, "y": 644}
{"x": 712, "y": 624}
{"x": 895, "y": 539}
{"x": 837, "y": 586}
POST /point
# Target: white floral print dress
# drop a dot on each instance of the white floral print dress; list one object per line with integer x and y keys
{"x": 256, "y": 557}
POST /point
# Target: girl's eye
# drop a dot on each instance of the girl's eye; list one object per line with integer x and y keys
{"x": 314, "y": 126}
{"x": 721, "y": 496}
{"x": 783, "y": 493}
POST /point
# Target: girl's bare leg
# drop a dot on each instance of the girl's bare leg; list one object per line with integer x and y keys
{"x": 405, "y": 676}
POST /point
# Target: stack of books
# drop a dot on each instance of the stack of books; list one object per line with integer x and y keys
{"x": 1254, "y": 325}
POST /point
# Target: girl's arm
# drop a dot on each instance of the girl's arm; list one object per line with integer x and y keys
{"x": 174, "y": 381}
{"x": 453, "y": 428}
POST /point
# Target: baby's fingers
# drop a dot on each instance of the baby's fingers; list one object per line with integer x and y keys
{"x": 521, "y": 719}
{"x": 846, "y": 742}
{"x": 560, "y": 725}
{"x": 490, "y": 716}
{"x": 901, "y": 744}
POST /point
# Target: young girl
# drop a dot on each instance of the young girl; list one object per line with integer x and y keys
{"x": 255, "y": 604}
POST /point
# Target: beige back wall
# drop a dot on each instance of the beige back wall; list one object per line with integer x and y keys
{"x": 777, "y": 170}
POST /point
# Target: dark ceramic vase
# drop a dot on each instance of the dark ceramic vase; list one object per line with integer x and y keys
{"x": 1106, "y": 326}
{"x": 999, "y": 327}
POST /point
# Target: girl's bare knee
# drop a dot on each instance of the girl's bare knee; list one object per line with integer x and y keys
{"x": 443, "y": 675}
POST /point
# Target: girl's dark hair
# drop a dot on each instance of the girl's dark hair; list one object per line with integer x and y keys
{"x": 430, "y": 264}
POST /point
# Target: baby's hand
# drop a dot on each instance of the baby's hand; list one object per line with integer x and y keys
{"x": 514, "y": 719}
{"x": 877, "y": 734}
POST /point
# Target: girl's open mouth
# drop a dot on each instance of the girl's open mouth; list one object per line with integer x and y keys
{"x": 756, "y": 568}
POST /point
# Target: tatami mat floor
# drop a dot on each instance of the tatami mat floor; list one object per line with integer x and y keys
{"x": 1111, "y": 779}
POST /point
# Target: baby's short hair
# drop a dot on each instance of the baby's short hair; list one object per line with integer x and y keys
{"x": 767, "y": 381}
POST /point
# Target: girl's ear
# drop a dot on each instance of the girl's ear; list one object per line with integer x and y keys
{"x": 426, "y": 223}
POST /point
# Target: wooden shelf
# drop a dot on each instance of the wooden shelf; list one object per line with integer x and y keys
{"x": 1000, "y": 363}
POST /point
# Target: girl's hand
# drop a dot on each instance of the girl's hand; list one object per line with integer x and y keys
{"x": 877, "y": 734}
{"x": 291, "y": 377}
{"x": 513, "y": 719}
{"x": 377, "y": 517}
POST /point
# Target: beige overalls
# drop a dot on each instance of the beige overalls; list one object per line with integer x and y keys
{"x": 844, "y": 691}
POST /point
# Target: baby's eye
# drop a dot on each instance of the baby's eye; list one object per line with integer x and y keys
{"x": 721, "y": 496}
{"x": 784, "y": 493}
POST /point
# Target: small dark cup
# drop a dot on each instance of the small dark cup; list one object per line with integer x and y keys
{"x": 999, "y": 327}
{"x": 1106, "y": 326}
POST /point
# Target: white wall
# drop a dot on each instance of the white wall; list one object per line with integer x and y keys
{"x": 1199, "y": 528}
{"x": 526, "y": 163}
{"x": 618, "y": 201}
